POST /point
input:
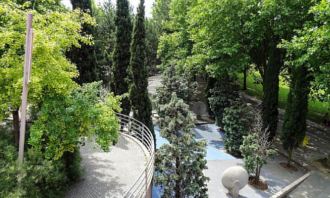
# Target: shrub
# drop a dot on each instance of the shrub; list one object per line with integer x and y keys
{"x": 236, "y": 123}
{"x": 36, "y": 178}
{"x": 256, "y": 149}
{"x": 224, "y": 93}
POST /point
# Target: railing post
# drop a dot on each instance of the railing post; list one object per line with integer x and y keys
{"x": 142, "y": 140}
{"x": 139, "y": 128}
{"x": 146, "y": 175}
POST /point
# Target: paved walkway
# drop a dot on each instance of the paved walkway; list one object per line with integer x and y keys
{"x": 109, "y": 174}
{"x": 218, "y": 160}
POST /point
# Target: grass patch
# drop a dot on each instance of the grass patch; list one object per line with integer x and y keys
{"x": 316, "y": 109}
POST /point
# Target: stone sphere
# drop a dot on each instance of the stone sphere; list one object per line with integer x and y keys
{"x": 234, "y": 179}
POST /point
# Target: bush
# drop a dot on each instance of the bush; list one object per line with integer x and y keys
{"x": 236, "y": 123}
{"x": 256, "y": 149}
{"x": 36, "y": 178}
{"x": 224, "y": 93}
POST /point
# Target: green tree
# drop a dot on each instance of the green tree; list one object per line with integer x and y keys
{"x": 104, "y": 40}
{"x": 227, "y": 41}
{"x": 138, "y": 92}
{"x": 52, "y": 160}
{"x": 175, "y": 45}
{"x": 121, "y": 53}
{"x": 83, "y": 56}
{"x": 308, "y": 61}
{"x": 294, "y": 126}
{"x": 173, "y": 82}
{"x": 160, "y": 14}
{"x": 309, "y": 49}
{"x": 54, "y": 33}
{"x": 151, "y": 46}
{"x": 256, "y": 149}
{"x": 64, "y": 119}
{"x": 180, "y": 164}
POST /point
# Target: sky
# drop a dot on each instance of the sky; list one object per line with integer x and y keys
{"x": 134, "y": 3}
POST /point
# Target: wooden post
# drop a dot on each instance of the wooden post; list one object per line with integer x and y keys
{"x": 27, "y": 71}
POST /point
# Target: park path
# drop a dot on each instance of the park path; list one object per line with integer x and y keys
{"x": 109, "y": 174}
{"x": 277, "y": 177}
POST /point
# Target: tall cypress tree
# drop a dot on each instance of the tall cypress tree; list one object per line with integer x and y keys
{"x": 294, "y": 126}
{"x": 121, "y": 54}
{"x": 83, "y": 57}
{"x": 138, "y": 93}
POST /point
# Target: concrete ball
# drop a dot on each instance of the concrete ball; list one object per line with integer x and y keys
{"x": 234, "y": 179}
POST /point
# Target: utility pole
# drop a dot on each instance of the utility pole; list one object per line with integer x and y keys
{"x": 26, "y": 79}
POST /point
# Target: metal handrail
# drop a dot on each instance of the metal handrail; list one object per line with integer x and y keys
{"x": 140, "y": 132}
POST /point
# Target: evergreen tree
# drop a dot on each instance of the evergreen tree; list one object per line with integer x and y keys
{"x": 180, "y": 164}
{"x": 121, "y": 54}
{"x": 104, "y": 40}
{"x": 138, "y": 93}
{"x": 294, "y": 126}
{"x": 173, "y": 82}
{"x": 83, "y": 56}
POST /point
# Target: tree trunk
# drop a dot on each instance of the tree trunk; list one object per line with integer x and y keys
{"x": 178, "y": 182}
{"x": 270, "y": 91}
{"x": 16, "y": 126}
{"x": 245, "y": 77}
{"x": 328, "y": 160}
{"x": 290, "y": 152}
{"x": 258, "y": 169}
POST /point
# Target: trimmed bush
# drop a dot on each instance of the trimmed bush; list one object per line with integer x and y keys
{"x": 236, "y": 123}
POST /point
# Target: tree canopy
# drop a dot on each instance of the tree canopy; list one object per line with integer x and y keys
{"x": 52, "y": 73}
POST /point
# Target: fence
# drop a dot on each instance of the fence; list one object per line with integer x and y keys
{"x": 134, "y": 128}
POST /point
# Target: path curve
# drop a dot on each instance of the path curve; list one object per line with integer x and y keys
{"x": 109, "y": 174}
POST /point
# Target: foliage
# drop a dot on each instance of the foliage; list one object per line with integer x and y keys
{"x": 173, "y": 82}
{"x": 151, "y": 46}
{"x": 63, "y": 120}
{"x": 138, "y": 92}
{"x": 104, "y": 39}
{"x": 160, "y": 14}
{"x": 236, "y": 124}
{"x": 308, "y": 61}
{"x": 54, "y": 33}
{"x": 316, "y": 108}
{"x": 82, "y": 56}
{"x": 224, "y": 93}
{"x": 310, "y": 48}
{"x": 37, "y": 177}
{"x": 217, "y": 33}
{"x": 180, "y": 164}
{"x": 256, "y": 149}
{"x": 174, "y": 45}
{"x": 227, "y": 41}
{"x": 294, "y": 125}
{"x": 121, "y": 54}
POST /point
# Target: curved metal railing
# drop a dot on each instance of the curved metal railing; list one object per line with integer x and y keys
{"x": 132, "y": 127}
